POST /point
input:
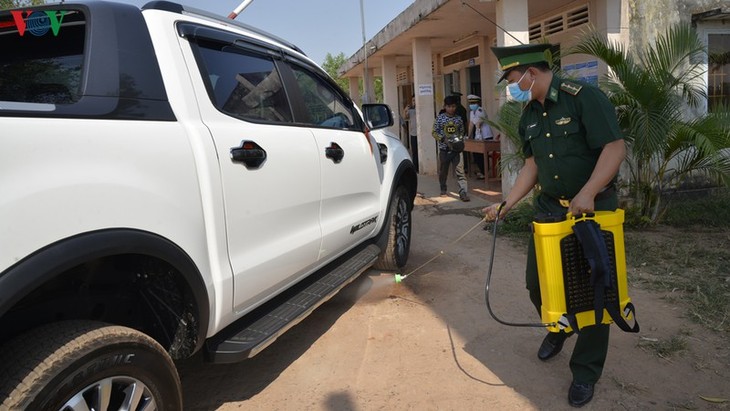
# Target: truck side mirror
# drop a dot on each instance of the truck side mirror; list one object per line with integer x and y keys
{"x": 377, "y": 116}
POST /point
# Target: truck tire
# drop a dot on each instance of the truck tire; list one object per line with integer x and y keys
{"x": 73, "y": 365}
{"x": 395, "y": 242}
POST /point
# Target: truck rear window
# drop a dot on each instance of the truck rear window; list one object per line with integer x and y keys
{"x": 42, "y": 55}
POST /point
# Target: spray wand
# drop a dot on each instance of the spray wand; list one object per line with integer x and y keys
{"x": 400, "y": 277}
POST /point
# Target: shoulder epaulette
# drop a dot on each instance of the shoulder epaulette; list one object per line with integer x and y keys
{"x": 570, "y": 87}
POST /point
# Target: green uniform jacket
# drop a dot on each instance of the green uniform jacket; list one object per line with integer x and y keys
{"x": 565, "y": 137}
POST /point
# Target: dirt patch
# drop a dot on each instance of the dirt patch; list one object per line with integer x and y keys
{"x": 429, "y": 343}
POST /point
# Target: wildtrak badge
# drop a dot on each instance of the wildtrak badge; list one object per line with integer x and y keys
{"x": 362, "y": 225}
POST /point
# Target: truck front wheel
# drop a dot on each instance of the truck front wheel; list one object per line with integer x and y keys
{"x": 84, "y": 365}
{"x": 395, "y": 242}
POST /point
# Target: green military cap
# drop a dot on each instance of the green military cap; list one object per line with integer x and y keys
{"x": 513, "y": 56}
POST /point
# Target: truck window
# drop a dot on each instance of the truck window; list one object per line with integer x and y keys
{"x": 42, "y": 56}
{"x": 325, "y": 106}
{"x": 243, "y": 85}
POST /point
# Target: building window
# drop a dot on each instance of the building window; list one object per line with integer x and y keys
{"x": 718, "y": 74}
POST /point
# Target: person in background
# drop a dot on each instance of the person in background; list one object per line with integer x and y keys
{"x": 409, "y": 114}
{"x": 460, "y": 109}
{"x": 448, "y": 130}
{"x": 462, "y": 112}
{"x": 573, "y": 149}
{"x": 478, "y": 129}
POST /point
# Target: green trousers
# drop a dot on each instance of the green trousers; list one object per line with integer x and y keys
{"x": 589, "y": 354}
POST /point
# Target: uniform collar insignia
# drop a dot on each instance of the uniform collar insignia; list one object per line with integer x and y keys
{"x": 562, "y": 121}
{"x": 553, "y": 94}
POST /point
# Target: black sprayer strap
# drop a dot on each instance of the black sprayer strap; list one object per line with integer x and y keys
{"x": 573, "y": 321}
{"x": 613, "y": 311}
{"x": 590, "y": 237}
{"x": 589, "y": 234}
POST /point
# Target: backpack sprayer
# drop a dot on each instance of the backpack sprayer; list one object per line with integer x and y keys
{"x": 582, "y": 271}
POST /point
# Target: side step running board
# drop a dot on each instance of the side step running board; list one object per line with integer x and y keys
{"x": 254, "y": 332}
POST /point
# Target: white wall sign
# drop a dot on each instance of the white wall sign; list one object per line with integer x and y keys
{"x": 425, "y": 89}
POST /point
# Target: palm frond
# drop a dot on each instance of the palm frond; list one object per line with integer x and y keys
{"x": 596, "y": 44}
{"x": 673, "y": 62}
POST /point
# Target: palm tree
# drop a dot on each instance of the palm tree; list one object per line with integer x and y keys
{"x": 654, "y": 95}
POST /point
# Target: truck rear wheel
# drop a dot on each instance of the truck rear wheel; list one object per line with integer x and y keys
{"x": 396, "y": 241}
{"x": 82, "y": 365}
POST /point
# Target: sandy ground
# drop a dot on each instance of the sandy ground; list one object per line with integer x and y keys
{"x": 429, "y": 342}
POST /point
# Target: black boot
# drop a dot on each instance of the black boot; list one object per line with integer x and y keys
{"x": 551, "y": 346}
{"x": 580, "y": 394}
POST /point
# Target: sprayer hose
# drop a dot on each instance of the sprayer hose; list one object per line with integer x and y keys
{"x": 489, "y": 278}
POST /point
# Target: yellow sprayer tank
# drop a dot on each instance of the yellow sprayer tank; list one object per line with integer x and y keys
{"x": 564, "y": 272}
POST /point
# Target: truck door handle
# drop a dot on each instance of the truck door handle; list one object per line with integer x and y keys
{"x": 250, "y": 154}
{"x": 334, "y": 152}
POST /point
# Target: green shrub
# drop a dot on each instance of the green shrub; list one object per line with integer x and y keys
{"x": 709, "y": 211}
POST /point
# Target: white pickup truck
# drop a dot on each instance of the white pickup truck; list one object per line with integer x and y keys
{"x": 172, "y": 181}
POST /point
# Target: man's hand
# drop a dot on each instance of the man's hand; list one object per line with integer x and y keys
{"x": 582, "y": 203}
{"x": 490, "y": 213}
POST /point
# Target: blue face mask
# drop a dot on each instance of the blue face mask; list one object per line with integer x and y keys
{"x": 517, "y": 93}
{"x": 473, "y": 107}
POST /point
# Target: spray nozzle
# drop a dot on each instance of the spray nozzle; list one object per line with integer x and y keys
{"x": 399, "y": 278}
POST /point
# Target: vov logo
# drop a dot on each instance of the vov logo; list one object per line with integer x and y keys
{"x": 35, "y": 22}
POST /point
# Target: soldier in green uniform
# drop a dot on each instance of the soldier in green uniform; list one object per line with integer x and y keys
{"x": 573, "y": 149}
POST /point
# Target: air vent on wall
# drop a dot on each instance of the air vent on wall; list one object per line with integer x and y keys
{"x": 558, "y": 23}
{"x": 535, "y": 31}
{"x": 577, "y": 17}
{"x": 554, "y": 25}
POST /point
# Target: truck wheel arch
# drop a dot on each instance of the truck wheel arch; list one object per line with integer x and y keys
{"x": 52, "y": 261}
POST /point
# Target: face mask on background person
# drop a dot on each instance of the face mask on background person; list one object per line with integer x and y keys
{"x": 473, "y": 107}
{"x": 517, "y": 93}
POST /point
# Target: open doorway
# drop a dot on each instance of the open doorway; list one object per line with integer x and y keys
{"x": 405, "y": 94}
{"x": 474, "y": 80}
